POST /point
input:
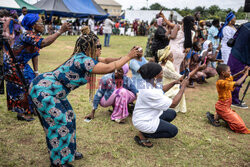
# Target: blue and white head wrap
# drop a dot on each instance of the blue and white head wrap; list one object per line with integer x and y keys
{"x": 229, "y": 17}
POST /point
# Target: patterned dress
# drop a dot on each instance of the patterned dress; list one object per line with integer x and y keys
{"x": 25, "y": 48}
{"x": 151, "y": 34}
{"x": 49, "y": 93}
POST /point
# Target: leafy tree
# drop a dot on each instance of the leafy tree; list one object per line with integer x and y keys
{"x": 144, "y": 8}
{"x": 131, "y": 8}
{"x": 156, "y": 6}
{"x": 213, "y": 9}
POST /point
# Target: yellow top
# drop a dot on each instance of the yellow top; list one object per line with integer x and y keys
{"x": 224, "y": 88}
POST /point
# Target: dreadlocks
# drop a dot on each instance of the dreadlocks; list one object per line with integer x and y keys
{"x": 188, "y": 22}
{"x": 86, "y": 43}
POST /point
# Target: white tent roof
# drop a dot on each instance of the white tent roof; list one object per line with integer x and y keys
{"x": 148, "y": 15}
{"x": 9, "y": 4}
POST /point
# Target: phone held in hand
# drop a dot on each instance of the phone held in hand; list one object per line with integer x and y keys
{"x": 87, "y": 120}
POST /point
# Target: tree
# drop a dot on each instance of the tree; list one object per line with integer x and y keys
{"x": 241, "y": 9}
{"x": 144, "y": 8}
{"x": 186, "y": 12}
{"x": 131, "y": 8}
{"x": 200, "y": 9}
{"x": 156, "y": 6}
{"x": 213, "y": 9}
{"x": 240, "y": 13}
{"x": 228, "y": 10}
{"x": 176, "y": 9}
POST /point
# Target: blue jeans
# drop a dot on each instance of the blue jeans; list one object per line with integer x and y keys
{"x": 165, "y": 128}
{"x": 107, "y": 39}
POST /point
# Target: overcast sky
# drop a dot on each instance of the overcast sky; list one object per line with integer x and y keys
{"x": 137, "y": 4}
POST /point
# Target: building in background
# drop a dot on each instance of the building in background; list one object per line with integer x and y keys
{"x": 111, "y": 6}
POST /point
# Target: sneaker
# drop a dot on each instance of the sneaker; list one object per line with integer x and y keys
{"x": 242, "y": 106}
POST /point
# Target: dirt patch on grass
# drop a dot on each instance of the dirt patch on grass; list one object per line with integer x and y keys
{"x": 108, "y": 156}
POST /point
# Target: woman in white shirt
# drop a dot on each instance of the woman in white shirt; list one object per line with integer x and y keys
{"x": 152, "y": 115}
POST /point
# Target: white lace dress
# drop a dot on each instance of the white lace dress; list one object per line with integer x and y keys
{"x": 228, "y": 32}
{"x": 170, "y": 75}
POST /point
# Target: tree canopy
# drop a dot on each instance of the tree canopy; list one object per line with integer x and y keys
{"x": 211, "y": 12}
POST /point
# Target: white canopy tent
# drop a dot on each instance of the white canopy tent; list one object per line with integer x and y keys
{"x": 148, "y": 15}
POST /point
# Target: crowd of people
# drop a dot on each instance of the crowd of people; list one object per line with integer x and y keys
{"x": 177, "y": 56}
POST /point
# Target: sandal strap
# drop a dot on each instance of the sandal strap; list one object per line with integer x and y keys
{"x": 145, "y": 141}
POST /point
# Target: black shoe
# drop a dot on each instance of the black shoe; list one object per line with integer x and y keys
{"x": 78, "y": 156}
{"x": 110, "y": 111}
{"x": 22, "y": 118}
{"x": 210, "y": 117}
{"x": 64, "y": 165}
{"x": 131, "y": 108}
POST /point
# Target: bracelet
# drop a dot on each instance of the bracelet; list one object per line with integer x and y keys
{"x": 36, "y": 72}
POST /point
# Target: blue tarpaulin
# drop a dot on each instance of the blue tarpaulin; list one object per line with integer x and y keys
{"x": 72, "y": 8}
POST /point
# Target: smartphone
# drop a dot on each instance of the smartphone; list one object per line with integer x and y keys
{"x": 87, "y": 120}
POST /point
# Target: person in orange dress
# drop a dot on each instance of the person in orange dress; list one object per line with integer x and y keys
{"x": 225, "y": 85}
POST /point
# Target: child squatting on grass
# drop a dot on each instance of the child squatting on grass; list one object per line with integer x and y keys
{"x": 225, "y": 85}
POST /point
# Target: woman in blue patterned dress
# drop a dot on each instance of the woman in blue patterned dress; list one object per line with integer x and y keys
{"x": 49, "y": 93}
{"x": 26, "y": 47}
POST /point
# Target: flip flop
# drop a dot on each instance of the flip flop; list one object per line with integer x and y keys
{"x": 210, "y": 117}
{"x": 141, "y": 142}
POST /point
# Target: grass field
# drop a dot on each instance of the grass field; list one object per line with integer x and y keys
{"x": 105, "y": 143}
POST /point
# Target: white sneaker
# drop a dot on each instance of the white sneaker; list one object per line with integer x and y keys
{"x": 242, "y": 106}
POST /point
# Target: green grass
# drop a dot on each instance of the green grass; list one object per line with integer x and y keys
{"x": 105, "y": 143}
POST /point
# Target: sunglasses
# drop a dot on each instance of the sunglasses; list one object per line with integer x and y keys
{"x": 99, "y": 46}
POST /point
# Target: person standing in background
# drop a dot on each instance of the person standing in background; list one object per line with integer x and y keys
{"x": 212, "y": 36}
{"x": 91, "y": 23}
{"x": 227, "y": 32}
{"x": 107, "y": 30}
{"x": 20, "y": 19}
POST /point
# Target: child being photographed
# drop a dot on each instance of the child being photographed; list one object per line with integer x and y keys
{"x": 225, "y": 85}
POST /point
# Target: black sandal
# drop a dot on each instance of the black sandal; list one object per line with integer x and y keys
{"x": 210, "y": 117}
{"x": 141, "y": 142}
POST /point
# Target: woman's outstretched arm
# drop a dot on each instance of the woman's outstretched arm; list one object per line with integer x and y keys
{"x": 102, "y": 68}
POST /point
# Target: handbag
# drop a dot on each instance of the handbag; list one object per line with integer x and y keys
{"x": 231, "y": 42}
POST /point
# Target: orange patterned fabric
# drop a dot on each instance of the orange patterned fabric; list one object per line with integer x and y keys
{"x": 224, "y": 88}
{"x": 231, "y": 117}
